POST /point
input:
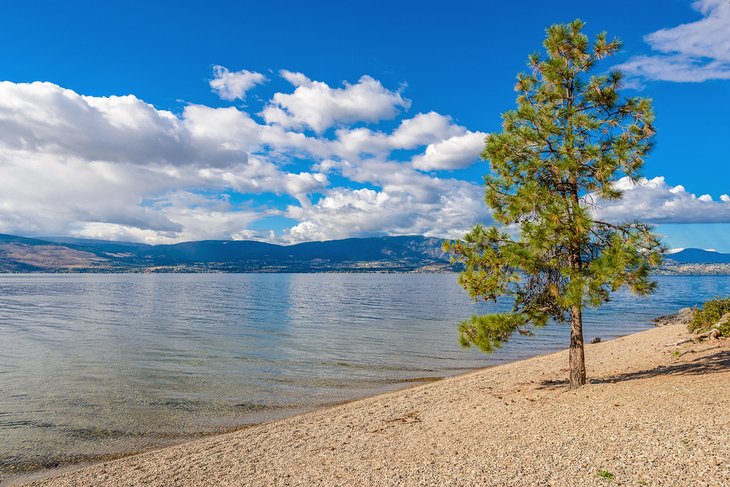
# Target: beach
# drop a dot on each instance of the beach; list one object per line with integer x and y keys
{"x": 652, "y": 414}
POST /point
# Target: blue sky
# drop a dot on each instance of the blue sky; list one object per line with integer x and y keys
{"x": 291, "y": 121}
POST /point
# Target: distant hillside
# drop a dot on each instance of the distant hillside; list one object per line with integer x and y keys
{"x": 99, "y": 245}
{"x": 20, "y": 254}
{"x": 66, "y": 254}
{"x": 375, "y": 254}
{"x": 696, "y": 262}
{"x": 699, "y": 256}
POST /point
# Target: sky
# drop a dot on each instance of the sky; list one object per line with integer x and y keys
{"x": 286, "y": 122}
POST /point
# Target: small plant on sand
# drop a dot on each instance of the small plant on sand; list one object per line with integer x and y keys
{"x": 676, "y": 354}
{"x": 605, "y": 474}
{"x": 709, "y": 314}
{"x": 573, "y": 141}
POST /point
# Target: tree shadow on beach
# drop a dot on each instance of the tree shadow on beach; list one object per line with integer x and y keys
{"x": 706, "y": 364}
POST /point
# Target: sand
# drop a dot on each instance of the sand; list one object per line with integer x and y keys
{"x": 652, "y": 415}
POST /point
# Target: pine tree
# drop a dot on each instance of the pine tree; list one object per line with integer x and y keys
{"x": 571, "y": 137}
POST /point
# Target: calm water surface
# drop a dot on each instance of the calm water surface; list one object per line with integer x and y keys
{"x": 95, "y": 365}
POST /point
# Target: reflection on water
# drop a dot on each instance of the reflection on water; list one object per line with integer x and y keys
{"x": 104, "y": 364}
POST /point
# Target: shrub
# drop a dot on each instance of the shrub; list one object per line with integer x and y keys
{"x": 709, "y": 314}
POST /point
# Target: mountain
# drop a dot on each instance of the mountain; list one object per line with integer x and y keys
{"x": 100, "y": 245}
{"x": 380, "y": 254}
{"x": 67, "y": 254}
{"x": 699, "y": 256}
{"x": 20, "y": 254}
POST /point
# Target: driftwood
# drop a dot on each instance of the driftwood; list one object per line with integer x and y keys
{"x": 680, "y": 342}
{"x": 712, "y": 334}
{"x": 723, "y": 320}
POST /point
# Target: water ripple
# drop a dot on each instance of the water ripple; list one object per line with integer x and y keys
{"x": 96, "y": 365}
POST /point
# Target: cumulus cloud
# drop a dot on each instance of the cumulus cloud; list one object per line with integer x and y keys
{"x": 46, "y": 118}
{"x": 49, "y": 119}
{"x": 411, "y": 133}
{"x": 406, "y": 202}
{"x": 691, "y": 52}
{"x": 260, "y": 175}
{"x": 106, "y": 167}
{"x": 455, "y": 152}
{"x": 233, "y": 85}
{"x": 199, "y": 217}
{"x": 317, "y": 106}
{"x": 422, "y": 129}
{"x": 347, "y": 212}
{"x": 48, "y": 194}
{"x": 654, "y": 201}
{"x": 82, "y": 165}
{"x": 116, "y": 167}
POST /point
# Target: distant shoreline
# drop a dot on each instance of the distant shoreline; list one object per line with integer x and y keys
{"x": 393, "y": 254}
{"x": 646, "y": 404}
{"x": 366, "y": 268}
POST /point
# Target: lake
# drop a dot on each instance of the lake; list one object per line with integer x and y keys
{"x": 93, "y": 366}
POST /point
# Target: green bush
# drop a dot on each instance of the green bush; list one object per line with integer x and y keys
{"x": 709, "y": 314}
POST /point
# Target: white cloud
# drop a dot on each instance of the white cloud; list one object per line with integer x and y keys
{"x": 347, "y": 212}
{"x": 691, "y": 52}
{"x": 73, "y": 164}
{"x": 116, "y": 167}
{"x": 406, "y": 203}
{"x": 47, "y": 194}
{"x": 411, "y": 133}
{"x": 199, "y": 218}
{"x": 455, "y": 152}
{"x": 296, "y": 79}
{"x": 46, "y": 118}
{"x": 654, "y": 201}
{"x": 424, "y": 128}
{"x": 317, "y": 106}
{"x": 233, "y": 85}
{"x": 354, "y": 143}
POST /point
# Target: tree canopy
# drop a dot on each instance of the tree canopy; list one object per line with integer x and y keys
{"x": 559, "y": 155}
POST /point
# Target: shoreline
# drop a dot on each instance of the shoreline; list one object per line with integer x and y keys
{"x": 685, "y": 269}
{"x": 24, "y": 477}
{"x": 355, "y": 444}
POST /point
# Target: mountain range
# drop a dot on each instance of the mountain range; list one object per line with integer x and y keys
{"x": 699, "y": 256}
{"x": 67, "y": 254}
{"x": 379, "y": 254}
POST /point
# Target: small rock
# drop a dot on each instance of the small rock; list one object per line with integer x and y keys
{"x": 681, "y": 316}
{"x": 596, "y": 340}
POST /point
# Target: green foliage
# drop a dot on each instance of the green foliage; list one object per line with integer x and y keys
{"x": 709, "y": 314}
{"x": 488, "y": 332}
{"x": 605, "y": 474}
{"x": 571, "y": 137}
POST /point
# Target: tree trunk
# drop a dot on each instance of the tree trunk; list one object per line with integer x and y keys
{"x": 576, "y": 355}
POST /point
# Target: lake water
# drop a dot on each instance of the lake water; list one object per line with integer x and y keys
{"x": 99, "y": 365}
